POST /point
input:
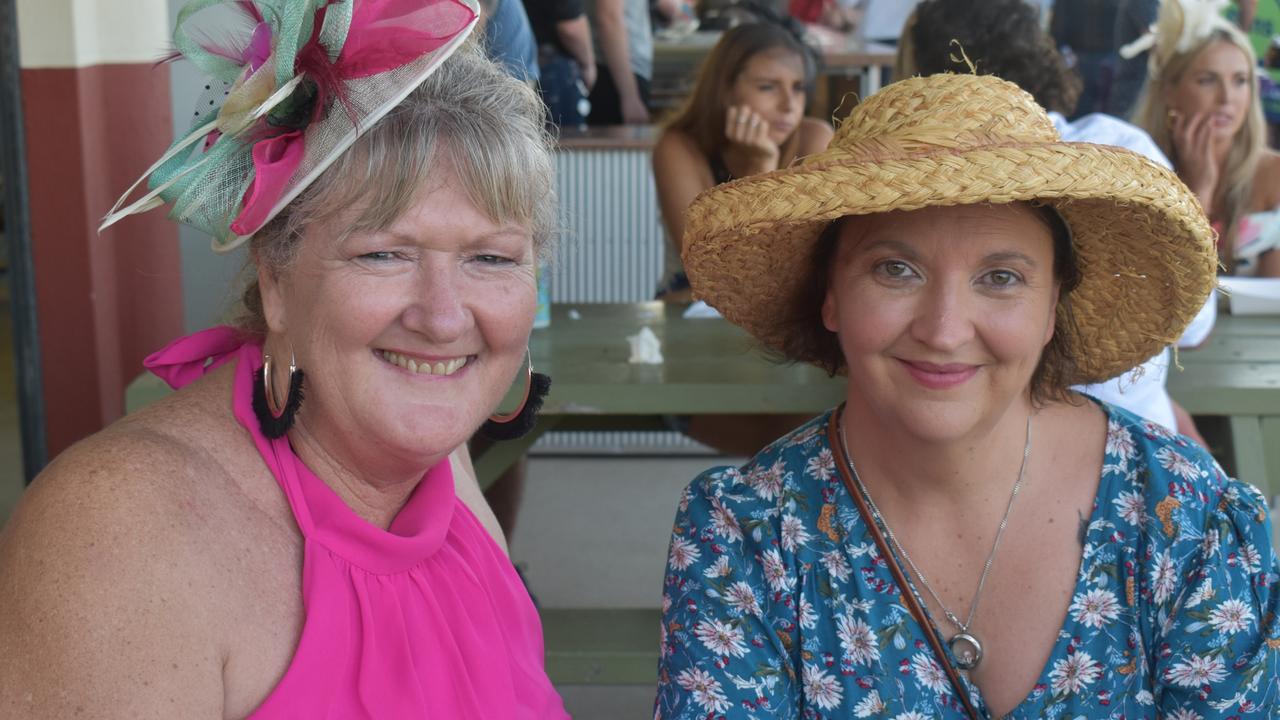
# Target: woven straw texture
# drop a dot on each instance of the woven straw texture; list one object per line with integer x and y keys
{"x": 1146, "y": 251}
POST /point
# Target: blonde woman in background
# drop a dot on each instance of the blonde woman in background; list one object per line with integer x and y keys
{"x": 1201, "y": 106}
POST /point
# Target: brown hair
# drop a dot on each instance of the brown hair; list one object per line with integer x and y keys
{"x": 702, "y": 116}
{"x": 809, "y": 341}
{"x": 1002, "y": 38}
{"x": 468, "y": 114}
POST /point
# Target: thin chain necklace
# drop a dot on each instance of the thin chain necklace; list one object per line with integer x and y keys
{"x": 964, "y": 645}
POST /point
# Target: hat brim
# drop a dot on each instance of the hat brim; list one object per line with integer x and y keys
{"x": 1146, "y": 251}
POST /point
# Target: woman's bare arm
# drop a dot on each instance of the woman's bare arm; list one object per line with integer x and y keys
{"x": 680, "y": 172}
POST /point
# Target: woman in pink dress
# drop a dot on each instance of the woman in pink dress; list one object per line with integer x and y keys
{"x": 235, "y": 550}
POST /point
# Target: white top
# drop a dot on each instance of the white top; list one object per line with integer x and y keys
{"x": 1140, "y": 391}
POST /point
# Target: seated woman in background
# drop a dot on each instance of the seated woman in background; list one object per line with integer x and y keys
{"x": 1201, "y": 106}
{"x": 236, "y": 549}
{"x": 745, "y": 116}
{"x": 965, "y": 537}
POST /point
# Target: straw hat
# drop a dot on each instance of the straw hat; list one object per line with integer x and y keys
{"x": 285, "y": 99}
{"x": 1146, "y": 251}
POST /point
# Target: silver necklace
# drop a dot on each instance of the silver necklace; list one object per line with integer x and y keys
{"x": 964, "y": 645}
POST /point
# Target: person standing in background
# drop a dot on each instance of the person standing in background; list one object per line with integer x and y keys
{"x": 624, "y": 40}
{"x": 1133, "y": 18}
{"x": 1082, "y": 31}
{"x": 508, "y": 38}
{"x": 566, "y": 59}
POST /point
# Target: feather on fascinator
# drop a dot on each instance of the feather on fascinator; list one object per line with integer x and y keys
{"x": 286, "y": 100}
{"x": 1179, "y": 27}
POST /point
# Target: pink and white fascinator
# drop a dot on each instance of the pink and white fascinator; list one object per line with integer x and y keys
{"x": 286, "y": 99}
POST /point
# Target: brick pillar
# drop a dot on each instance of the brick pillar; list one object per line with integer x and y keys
{"x": 97, "y": 113}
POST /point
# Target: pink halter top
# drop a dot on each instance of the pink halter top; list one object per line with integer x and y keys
{"x": 426, "y": 619}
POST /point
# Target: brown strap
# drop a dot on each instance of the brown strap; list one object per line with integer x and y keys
{"x": 891, "y": 561}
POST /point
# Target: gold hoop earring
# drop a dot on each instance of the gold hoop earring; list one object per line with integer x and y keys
{"x": 275, "y": 419}
{"x": 518, "y": 423}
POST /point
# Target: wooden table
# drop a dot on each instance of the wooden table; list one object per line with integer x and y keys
{"x": 712, "y": 366}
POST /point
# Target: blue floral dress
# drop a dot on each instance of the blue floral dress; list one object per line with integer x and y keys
{"x": 776, "y": 603}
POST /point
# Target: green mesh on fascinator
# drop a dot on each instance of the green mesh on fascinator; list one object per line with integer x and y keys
{"x": 287, "y": 98}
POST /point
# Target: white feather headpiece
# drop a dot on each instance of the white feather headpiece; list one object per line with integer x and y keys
{"x": 1180, "y": 26}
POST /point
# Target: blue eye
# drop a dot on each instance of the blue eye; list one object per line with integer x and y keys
{"x": 493, "y": 259}
{"x": 379, "y": 256}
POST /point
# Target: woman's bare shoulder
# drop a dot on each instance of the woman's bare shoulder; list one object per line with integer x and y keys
{"x": 1266, "y": 182}
{"x": 675, "y": 145}
{"x": 109, "y": 560}
{"x": 815, "y": 135}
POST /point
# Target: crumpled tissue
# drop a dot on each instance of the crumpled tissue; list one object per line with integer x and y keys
{"x": 645, "y": 348}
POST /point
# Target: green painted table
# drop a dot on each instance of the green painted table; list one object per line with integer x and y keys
{"x": 712, "y": 366}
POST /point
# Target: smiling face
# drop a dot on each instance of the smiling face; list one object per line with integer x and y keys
{"x": 1217, "y": 81}
{"x": 772, "y": 84}
{"x": 942, "y": 314}
{"x": 408, "y": 336}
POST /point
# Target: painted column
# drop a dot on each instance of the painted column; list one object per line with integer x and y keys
{"x": 97, "y": 114}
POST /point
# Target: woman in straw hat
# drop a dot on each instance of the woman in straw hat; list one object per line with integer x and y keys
{"x": 963, "y": 536}
{"x": 1201, "y": 105}
{"x": 235, "y": 550}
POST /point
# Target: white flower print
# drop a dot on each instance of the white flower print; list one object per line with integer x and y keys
{"x": 808, "y": 618}
{"x": 683, "y": 554}
{"x": 719, "y": 568}
{"x": 1184, "y": 714}
{"x": 858, "y": 640}
{"x": 706, "y": 689}
{"x": 821, "y": 688}
{"x": 1095, "y": 608}
{"x": 1250, "y": 558}
{"x": 869, "y": 705}
{"x": 834, "y": 562}
{"x": 1163, "y": 577}
{"x": 1176, "y": 463}
{"x": 793, "y": 533}
{"x": 742, "y": 598}
{"x": 822, "y": 466}
{"x": 929, "y": 673}
{"x": 1073, "y": 673}
{"x": 1209, "y": 543}
{"x": 1202, "y": 593}
{"x": 913, "y": 715}
{"x": 1197, "y": 671}
{"x": 1144, "y": 697}
{"x": 666, "y": 603}
{"x": 723, "y": 521}
{"x": 721, "y": 638}
{"x": 767, "y": 482}
{"x": 1132, "y": 507}
{"x": 1231, "y": 616}
{"x": 1119, "y": 442}
{"x": 775, "y": 571}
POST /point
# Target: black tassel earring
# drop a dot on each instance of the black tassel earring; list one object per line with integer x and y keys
{"x": 273, "y": 419}
{"x": 519, "y": 423}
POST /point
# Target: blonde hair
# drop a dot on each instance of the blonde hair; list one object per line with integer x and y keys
{"x": 468, "y": 114}
{"x": 1152, "y": 114}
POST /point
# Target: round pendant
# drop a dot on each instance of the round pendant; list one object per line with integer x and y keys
{"x": 966, "y": 649}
